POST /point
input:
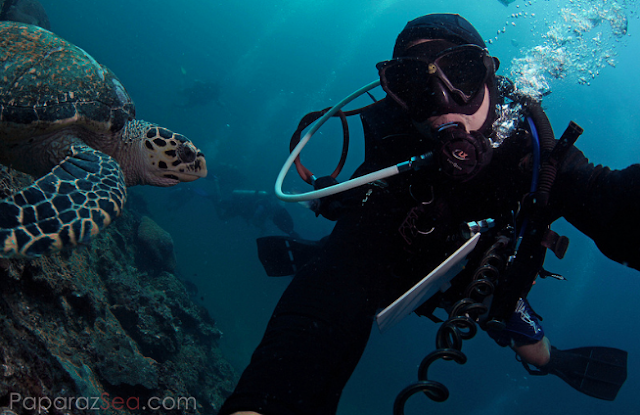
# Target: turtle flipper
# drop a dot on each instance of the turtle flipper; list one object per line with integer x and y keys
{"x": 68, "y": 206}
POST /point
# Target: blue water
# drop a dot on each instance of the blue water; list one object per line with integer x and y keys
{"x": 276, "y": 60}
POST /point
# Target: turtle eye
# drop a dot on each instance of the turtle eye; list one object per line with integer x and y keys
{"x": 186, "y": 153}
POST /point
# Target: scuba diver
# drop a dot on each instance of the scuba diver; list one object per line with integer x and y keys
{"x": 255, "y": 207}
{"x": 439, "y": 126}
{"x": 24, "y": 11}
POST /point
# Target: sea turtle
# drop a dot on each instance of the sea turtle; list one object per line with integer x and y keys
{"x": 69, "y": 121}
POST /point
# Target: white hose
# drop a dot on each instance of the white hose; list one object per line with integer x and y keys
{"x": 328, "y": 191}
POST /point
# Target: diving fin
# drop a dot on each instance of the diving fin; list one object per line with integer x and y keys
{"x": 283, "y": 255}
{"x": 595, "y": 371}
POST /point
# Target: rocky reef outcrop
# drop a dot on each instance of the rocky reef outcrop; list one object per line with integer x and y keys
{"x": 155, "y": 247}
{"x": 105, "y": 326}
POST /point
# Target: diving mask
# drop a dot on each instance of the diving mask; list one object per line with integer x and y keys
{"x": 450, "y": 82}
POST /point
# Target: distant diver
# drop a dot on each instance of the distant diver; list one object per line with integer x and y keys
{"x": 255, "y": 207}
{"x": 24, "y": 11}
{"x": 200, "y": 94}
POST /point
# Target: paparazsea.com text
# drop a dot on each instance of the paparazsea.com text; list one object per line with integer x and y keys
{"x": 44, "y": 404}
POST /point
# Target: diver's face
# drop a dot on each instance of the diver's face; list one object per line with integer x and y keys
{"x": 471, "y": 122}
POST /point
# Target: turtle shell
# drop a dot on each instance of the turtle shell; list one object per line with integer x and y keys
{"x": 46, "y": 84}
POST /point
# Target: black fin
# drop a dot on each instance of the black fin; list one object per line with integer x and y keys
{"x": 284, "y": 255}
{"x": 595, "y": 371}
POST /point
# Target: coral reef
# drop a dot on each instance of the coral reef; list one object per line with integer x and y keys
{"x": 101, "y": 327}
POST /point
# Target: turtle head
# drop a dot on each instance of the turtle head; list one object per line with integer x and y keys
{"x": 167, "y": 158}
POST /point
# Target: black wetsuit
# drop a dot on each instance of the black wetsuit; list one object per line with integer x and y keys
{"x": 321, "y": 325}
